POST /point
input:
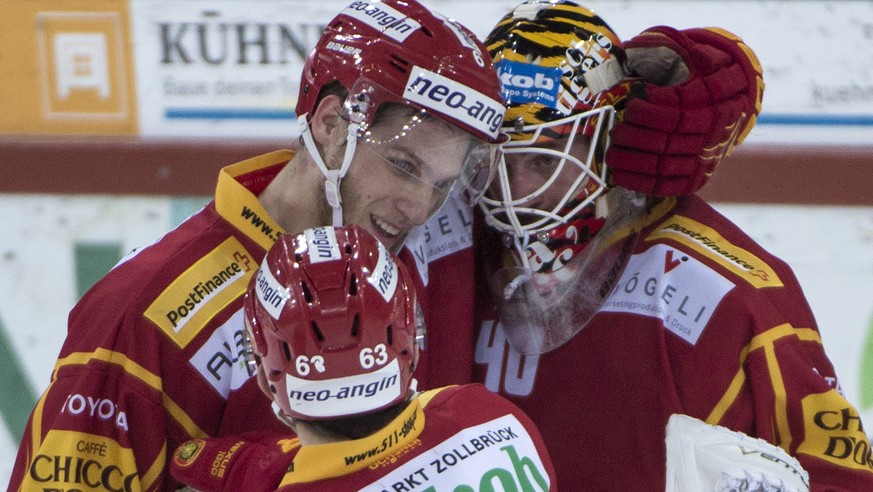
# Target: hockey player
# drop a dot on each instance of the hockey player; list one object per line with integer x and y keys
{"x": 333, "y": 320}
{"x": 152, "y": 357}
{"x": 614, "y": 310}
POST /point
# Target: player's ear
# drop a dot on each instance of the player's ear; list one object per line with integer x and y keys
{"x": 327, "y": 124}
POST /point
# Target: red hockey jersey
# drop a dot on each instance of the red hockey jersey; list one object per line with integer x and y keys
{"x": 152, "y": 357}
{"x": 454, "y": 438}
{"x": 702, "y": 321}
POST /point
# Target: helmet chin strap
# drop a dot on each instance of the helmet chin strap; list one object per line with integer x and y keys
{"x": 332, "y": 177}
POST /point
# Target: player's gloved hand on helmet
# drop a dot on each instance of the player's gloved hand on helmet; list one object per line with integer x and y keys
{"x": 699, "y": 96}
{"x": 254, "y": 462}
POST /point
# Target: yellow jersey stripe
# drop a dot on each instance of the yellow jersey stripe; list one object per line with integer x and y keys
{"x": 765, "y": 341}
{"x": 136, "y": 370}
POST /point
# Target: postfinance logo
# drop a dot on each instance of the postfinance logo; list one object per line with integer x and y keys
{"x": 203, "y": 290}
{"x": 712, "y": 245}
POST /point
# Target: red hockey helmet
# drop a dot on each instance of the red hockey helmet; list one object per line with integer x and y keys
{"x": 332, "y": 316}
{"x": 399, "y": 51}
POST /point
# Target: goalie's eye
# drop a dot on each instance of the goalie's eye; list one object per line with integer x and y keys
{"x": 545, "y": 162}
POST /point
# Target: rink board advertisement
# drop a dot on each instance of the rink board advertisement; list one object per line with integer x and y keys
{"x": 192, "y": 68}
{"x": 222, "y": 68}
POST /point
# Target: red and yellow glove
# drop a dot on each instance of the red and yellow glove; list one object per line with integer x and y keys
{"x": 700, "y": 95}
{"x": 254, "y": 462}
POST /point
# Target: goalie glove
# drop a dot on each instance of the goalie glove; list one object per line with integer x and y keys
{"x": 699, "y": 97}
{"x": 254, "y": 462}
{"x": 704, "y": 457}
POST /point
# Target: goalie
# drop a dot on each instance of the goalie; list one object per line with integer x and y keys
{"x": 618, "y": 296}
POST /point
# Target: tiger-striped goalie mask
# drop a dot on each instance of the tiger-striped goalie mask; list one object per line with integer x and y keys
{"x": 555, "y": 62}
{"x": 560, "y": 66}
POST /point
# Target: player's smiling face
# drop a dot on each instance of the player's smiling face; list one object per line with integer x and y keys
{"x": 403, "y": 169}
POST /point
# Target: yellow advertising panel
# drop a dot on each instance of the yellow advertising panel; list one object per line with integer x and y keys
{"x": 66, "y": 67}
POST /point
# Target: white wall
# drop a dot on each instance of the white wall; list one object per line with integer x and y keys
{"x": 816, "y": 59}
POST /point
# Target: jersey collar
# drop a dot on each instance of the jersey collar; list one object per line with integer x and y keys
{"x": 236, "y": 197}
{"x": 323, "y": 461}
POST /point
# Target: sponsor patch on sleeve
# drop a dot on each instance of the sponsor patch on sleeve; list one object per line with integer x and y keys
{"x": 82, "y": 461}
{"x": 665, "y": 283}
{"x": 833, "y": 432}
{"x": 202, "y": 291}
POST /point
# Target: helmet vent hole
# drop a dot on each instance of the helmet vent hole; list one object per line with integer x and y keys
{"x": 401, "y": 64}
{"x": 287, "y": 350}
{"x": 355, "y": 326}
{"x": 317, "y": 332}
{"x": 389, "y": 335}
{"x": 349, "y": 246}
{"x": 398, "y": 67}
{"x": 353, "y": 285}
{"x": 307, "y": 296}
